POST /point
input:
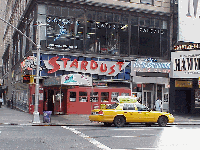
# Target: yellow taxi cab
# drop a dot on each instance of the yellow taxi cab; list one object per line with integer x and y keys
{"x": 121, "y": 113}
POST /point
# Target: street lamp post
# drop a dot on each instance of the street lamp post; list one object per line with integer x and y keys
{"x": 36, "y": 118}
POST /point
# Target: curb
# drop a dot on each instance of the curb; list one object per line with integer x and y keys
{"x": 87, "y": 124}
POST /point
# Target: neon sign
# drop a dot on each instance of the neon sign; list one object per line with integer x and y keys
{"x": 108, "y": 68}
{"x": 29, "y": 63}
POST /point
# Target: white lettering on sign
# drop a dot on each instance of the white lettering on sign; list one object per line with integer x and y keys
{"x": 149, "y": 65}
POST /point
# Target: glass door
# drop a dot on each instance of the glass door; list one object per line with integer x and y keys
{"x": 147, "y": 99}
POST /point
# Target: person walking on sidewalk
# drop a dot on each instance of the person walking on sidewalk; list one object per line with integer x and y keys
{"x": 158, "y": 104}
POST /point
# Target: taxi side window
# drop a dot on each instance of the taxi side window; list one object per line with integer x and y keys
{"x": 128, "y": 107}
{"x": 141, "y": 107}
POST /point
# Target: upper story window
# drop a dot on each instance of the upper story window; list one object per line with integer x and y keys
{"x": 147, "y": 1}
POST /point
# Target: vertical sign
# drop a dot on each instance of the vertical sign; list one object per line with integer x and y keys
{"x": 199, "y": 82}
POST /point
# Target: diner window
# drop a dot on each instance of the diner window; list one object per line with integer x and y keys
{"x": 104, "y": 96}
{"x": 94, "y": 97}
{"x": 114, "y": 96}
{"x": 83, "y": 97}
{"x": 72, "y": 97}
{"x": 125, "y": 94}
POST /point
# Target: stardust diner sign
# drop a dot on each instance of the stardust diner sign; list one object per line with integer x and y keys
{"x": 108, "y": 68}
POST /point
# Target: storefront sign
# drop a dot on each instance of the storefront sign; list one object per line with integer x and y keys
{"x": 29, "y": 63}
{"x": 76, "y": 79}
{"x": 150, "y": 65}
{"x": 187, "y": 84}
{"x": 187, "y": 47}
{"x": 52, "y": 81}
{"x": 108, "y": 68}
{"x": 186, "y": 64}
{"x": 100, "y": 84}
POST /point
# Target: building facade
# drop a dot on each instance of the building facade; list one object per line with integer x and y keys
{"x": 90, "y": 51}
{"x": 184, "y": 74}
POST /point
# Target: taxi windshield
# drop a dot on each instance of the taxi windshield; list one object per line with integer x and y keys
{"x": 112, "y": 106}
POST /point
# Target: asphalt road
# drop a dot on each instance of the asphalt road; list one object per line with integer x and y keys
{"x": 98, "y": 137}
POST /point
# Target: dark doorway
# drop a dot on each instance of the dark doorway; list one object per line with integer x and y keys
{"x": 183, "y": 101}
{"x": 50, "y": 101}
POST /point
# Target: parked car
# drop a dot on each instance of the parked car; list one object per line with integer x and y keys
{"x": 121, "y": 113}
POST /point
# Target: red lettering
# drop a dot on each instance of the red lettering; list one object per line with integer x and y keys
{"x": 84, "y": 65}
{"x": 120, "y": 65}
{"x": 101, "y": 68}
{"x": 91, "y": 65}
{"x": 74, "y": 63}
{"x": 65, "y": 61}
{"x": 56, "y": 66}
{"x": 112, "y": 70}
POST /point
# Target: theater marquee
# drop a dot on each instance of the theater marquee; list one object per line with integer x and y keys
{"x": 186, "y": 64}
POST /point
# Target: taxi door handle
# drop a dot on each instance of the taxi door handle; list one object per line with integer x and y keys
{"x": 125, "y": 112}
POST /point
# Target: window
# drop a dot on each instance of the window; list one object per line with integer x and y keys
{"x": 112, "y": 106}
{"x": 83, "y": 97}
{"x": 114, "y": 96}
{"x": 129, "y": 106}
{"x": 94, "y": 97}
{"x": 141, "y": 107}
{"x": 72, "y": 97}
{"x": 104, "y": 96}
{"x": 125, "y": 94}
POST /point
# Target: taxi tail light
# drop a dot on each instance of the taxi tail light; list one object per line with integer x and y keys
{"x": 100, "y": 112}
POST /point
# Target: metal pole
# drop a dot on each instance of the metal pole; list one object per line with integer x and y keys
{"x": 36, "y": 118}
{"x": 60, "y": 96}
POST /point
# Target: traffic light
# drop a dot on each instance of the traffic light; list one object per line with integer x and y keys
{"x": 26, "y": 79}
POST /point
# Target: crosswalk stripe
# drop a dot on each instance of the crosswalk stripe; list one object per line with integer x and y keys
{"x": 91, "y": 140}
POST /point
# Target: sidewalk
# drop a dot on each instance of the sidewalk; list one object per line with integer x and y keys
{"x": 15, "y": 117}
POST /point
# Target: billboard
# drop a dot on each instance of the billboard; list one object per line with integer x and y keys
{"x": 188, "y": 19}
{"x": 185, "y": 64}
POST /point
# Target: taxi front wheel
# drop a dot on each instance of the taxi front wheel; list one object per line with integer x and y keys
{"x": 162, "y": 121}
{"x": 119, "y": 121}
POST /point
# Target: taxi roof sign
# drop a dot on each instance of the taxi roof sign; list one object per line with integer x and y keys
{"x": 127, "y": 99}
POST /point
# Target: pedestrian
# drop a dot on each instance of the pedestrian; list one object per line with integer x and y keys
{"x": 158, "y": 104}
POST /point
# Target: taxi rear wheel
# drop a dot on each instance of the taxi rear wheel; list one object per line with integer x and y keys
{"x": 119, "y": 121}
{"x": 162, "y": 121}
{"x": 107, "y": 124}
